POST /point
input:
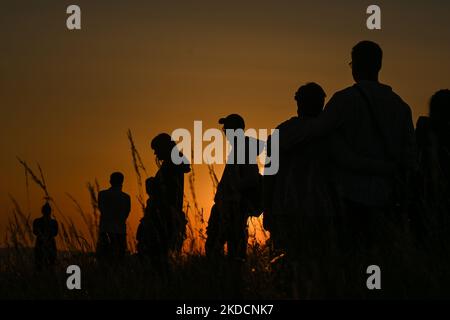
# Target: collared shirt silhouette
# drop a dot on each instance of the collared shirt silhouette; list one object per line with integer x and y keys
{"x": 114, "y": 206}
{"x": 45, "y": 229}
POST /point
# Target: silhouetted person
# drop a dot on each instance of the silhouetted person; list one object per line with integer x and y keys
{"x": 236, "y": 196}
{"x": 440, "y": 129}
{"x": 433, "y": 140}
{"x": 299, "y": 206}
{"x": 374, "y": 123}
{"x": 152, "y": 234}
{"x": 45, "y": 229}
{"x": 169, "y": 185}
{"x": 433, "y": 137}
{"x": 114, "y": 206}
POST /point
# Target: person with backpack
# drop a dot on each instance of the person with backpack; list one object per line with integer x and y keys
{"x": 238, "y": 194}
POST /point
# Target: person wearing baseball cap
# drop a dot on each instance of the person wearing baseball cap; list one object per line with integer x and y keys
{"x": 232, "y": 121}
{"x": 234, "y": 201}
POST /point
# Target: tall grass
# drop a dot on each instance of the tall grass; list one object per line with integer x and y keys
{"x": 193, "y": 275}
{"x": 419, "y": 267}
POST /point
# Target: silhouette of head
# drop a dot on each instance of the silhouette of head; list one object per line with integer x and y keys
{"x": 440, "y": 110}
{"x": 310, "y": 100}
{"x": 150, "y": 186}
{"x": 232, "y": 121}
{"x": 162, "y": 145}
{"x": 116, "y": 179}
{"x": 366, "y": 62}
{"x": 46, "y": 210}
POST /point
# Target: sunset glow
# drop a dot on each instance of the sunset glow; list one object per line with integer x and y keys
{"x": 68, "y": 99}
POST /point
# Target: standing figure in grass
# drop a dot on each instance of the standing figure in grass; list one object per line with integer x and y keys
{"x": 300, "y": 212}
{"x": 431, "y": 221}
{"x": 238, "y": 193}
{"x": 114, "y": 205}
{"x": 169, "y": 188}
{"x": 45, "y": 229}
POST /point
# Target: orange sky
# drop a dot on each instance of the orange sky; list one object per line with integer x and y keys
{"x": 68, "y": 97}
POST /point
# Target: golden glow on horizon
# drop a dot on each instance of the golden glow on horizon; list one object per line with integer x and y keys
{"x": 68, "y": 98}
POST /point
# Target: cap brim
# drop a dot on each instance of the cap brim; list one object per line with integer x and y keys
{"x": 222, "y": 120}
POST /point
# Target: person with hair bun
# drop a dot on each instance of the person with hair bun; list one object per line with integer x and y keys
{"x": 169, "y": 188}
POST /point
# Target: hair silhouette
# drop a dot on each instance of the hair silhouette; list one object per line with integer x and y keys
{"x": 116, "y": 179}
{"x": 162, "y": 144}
{"x": 46, "y": 209}
{"x": 366, "y": 61}
{"x": 310, "y": 100}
